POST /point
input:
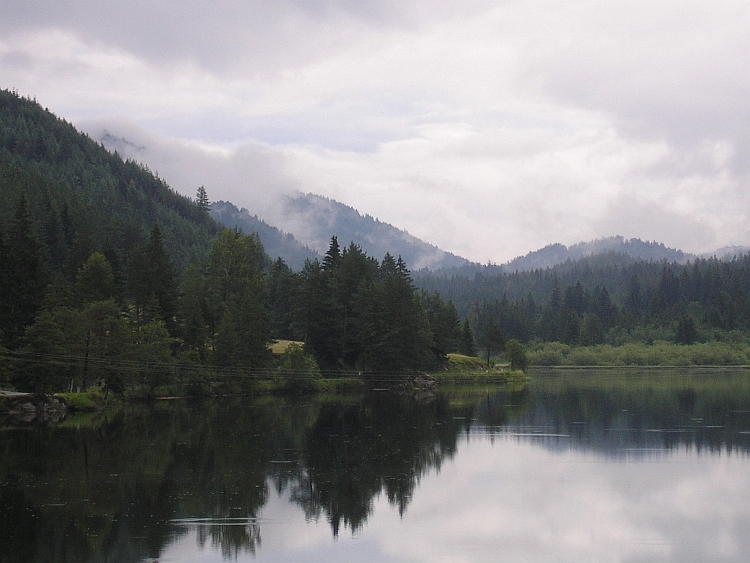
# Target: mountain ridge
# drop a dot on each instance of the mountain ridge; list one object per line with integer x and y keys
{"x": 276, "y": 243}
{"x": 311, "y": 220}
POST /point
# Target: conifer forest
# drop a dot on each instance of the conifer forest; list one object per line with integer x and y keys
{"x": 110, "y": 277}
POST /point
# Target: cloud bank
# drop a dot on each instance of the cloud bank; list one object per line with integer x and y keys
{"x": 489, "y": 129}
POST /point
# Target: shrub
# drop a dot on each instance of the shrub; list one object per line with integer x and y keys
{"x": 80, "y": 402}
{"x": 299, "y": 370}
{"x": 516, "y": 354}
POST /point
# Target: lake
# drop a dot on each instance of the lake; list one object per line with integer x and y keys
{"x": 585, "y": 465}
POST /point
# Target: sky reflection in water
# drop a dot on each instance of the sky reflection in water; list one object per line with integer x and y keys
{"x": 515, "y": 495}
{"x": 574, "y": 468}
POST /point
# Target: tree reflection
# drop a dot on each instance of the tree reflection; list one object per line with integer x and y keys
{"x": 382, "y": 445}
{"x": 619, "y": 413}
{"x": 232, "y": 538}
{"x": 124, "y": 487}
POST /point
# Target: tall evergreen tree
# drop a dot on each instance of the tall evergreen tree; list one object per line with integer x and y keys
{"x": 445, "y": 326}
{"x": 332, "y": 259}
{"x": 95, "y": 280}
{"x": 151, "y": 274}
{"x": 24, "y": 275}
{"x": 491, "y": 339}
{"x": 321, "y": 317}
{"x": 192, "y": 311}
{"x": 466, "y": 345}
{"x": 202, "y": 199}
{"x": 236, "y": 295}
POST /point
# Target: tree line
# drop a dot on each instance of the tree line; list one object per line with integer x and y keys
{"x": 608, "y": 299}
{"x": 141, "y": 323}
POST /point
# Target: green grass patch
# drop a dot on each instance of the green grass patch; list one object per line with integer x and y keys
{"x": 88, "y": 401}
{"x": 471, "y": 369}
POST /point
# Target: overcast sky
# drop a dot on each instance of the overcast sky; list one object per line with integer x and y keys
{"x": 489, "y": 128}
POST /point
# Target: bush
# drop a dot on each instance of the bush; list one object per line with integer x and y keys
{"x": 300, "y": 370}
{"x": 516, "y": 354}
{"x": 660, "y": 353}
{"x": 80, "y": 402}
{"x": 550, "y": 354}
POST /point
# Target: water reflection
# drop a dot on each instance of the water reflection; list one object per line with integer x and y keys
{"x": 473, "y": 471}
{"x": 626, "y": 413}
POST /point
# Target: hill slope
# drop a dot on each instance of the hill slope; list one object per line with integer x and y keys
{"x": 314, "y": 219}
{"x": 83, "y": 198}
{"x": 554, "y": 254}
{"x": 275, "y": 242}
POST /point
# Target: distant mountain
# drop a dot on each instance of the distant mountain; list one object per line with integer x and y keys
{"x": 275, "y": 242}
{"x": 727, "y": 252}
{"x": 554, "y": 254}
{"x": 315, "y": 219}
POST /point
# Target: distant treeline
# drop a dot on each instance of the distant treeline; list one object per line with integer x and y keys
{"x": 143, "y": 325}
{"x": 608, "y": 299}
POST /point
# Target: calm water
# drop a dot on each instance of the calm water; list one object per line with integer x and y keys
{"x": 579, "y": 466}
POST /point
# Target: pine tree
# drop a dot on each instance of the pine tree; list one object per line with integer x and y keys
{"x": 202, "y": 199}
{"x": 283, "y": 286}
{"x": 445, "y": 326}
{"x": 492, "y": 339}
{"x": 95, "y": 280}
{"x": 467, "y": 347}
{"x": 332, "y": 259}
{"x": 151, "y": 273}
{"x": 192, "y": 310}
{"x": 24, "y": 275}
{"x": 236, "y": 296}
{"x": 321, "y": 316}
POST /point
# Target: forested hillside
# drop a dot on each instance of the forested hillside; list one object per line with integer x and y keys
{"x": 82, "y": 198}
{"x": 608, "y": 298}
{"x": 555, "y": 254}
{"x": 110, "y": 278}
{"x": 314, "y": 219}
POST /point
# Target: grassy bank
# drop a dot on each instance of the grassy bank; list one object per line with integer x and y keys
{"x": 470, "y": 369}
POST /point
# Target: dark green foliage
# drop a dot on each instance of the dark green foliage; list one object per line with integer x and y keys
{"x": 517, "y": 355}
{"x": 202, "y": 199}
{"x": 492, "y": 339}
{"x": 354, "y": 313}
{"x": 83, "y": 199}
{"x": 235, "y": 296}
{"x": 78, "y": 347}
{"x": 152, "y": 277}
{"x": 283, "y": 292}
{"x": 24, "y": 276}
{"x": 299, "y": 370}
{"x": 602, "y": 300}
{"x": 95, "y": 280}
{"x": 445, "y": 326}
{"x": 401, "y": 339}
{"x": 193, "y": 311}
{"x": 466, "y": 344}
{"x": 686, "y": 332}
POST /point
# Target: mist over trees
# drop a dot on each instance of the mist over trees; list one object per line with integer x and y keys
{"x": 106, "y": 274}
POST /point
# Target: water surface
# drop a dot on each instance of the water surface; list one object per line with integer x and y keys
{"x": 579, "y": 466}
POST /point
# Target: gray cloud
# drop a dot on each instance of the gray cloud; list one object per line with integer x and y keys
{"x": 487, "y": 128}
{"x": 256, "y": 35}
